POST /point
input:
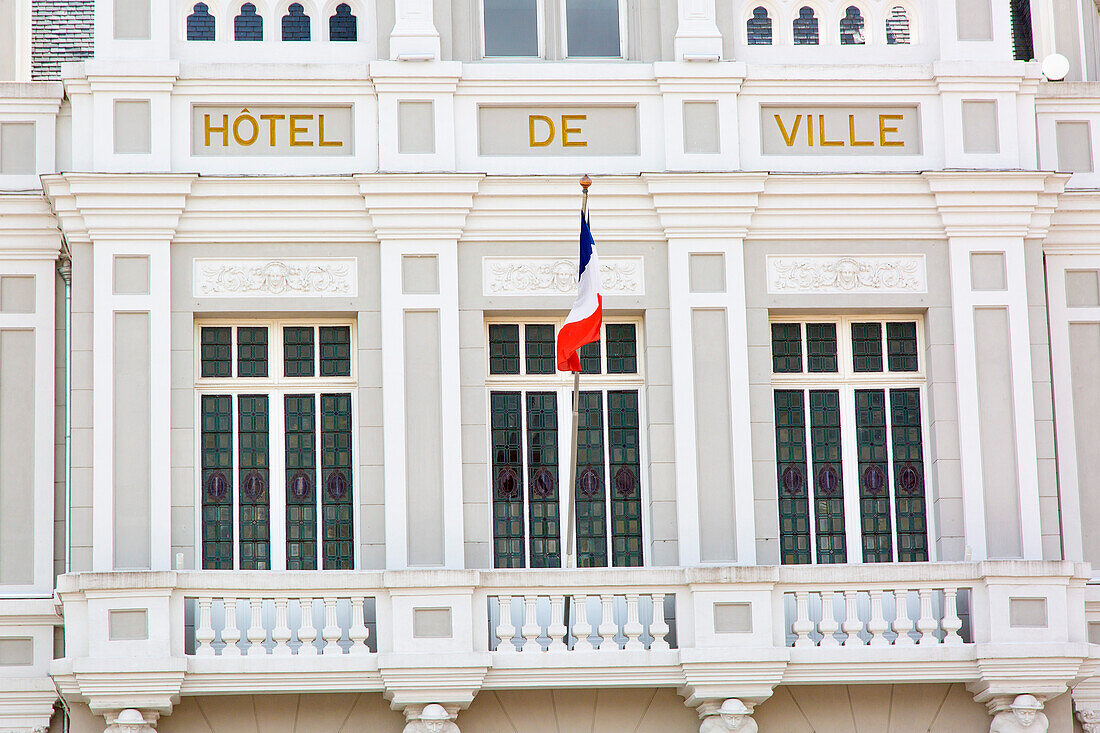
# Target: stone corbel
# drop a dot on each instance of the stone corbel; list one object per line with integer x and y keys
{"x": 1086, "y": 703}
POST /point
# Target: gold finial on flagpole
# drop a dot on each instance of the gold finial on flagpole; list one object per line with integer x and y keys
{"x": 585, "y": 183}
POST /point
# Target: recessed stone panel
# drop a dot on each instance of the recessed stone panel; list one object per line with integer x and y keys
{"x": 416, "y": 126}
{"x": 432, "y": 623}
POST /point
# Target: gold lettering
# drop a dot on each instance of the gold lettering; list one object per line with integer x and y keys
{"x": 245, "y": 116}
{"x": 852, "y": 134}
{"x": 810, "y": 129}
{"x": 321, "y": 141}
{"x": 566, "y": 130}
{"x": 532, "y": 142}
{"x": 207, "y": 129}
{"x": 295, "y": 131}
{"x": 883, "y": 129}
{"x": 821, "y": 130}
{"x": 270, "y": 120}
{"x": 788, "y": 139}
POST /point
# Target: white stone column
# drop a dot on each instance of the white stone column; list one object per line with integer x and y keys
{"x": 697, "y": 34}
{"x": 414, "y": 36}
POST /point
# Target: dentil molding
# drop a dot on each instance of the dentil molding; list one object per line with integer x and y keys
{"x": 805, "y": 273}
{"x": 289, "y": 277}
{"x": 558, "y": 276}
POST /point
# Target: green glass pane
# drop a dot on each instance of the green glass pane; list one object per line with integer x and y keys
{"x": 786, "y": 347}
{"x": 901, "y": 346}
{"x": 590, "y": 358}
{"x": 298, "y": 351}
{"x": 626, "y": 484}
{"x": 622, "y": 348}
{"x": 909, "y": 498}
{"x": 217, "y": 481}
{"x": 254, "y": 480}
{"x": 590, "y": 483}
{"x": 335, "y": 344}
{"x": 251, "y": 351}
{"x": 872, "y": 469}
{"x": 867, "y": 347}
{"x": 828, "y": 475}
{"x": 503, "y": 348}
{"x": 542, "y": 479}
{"x": 337, "y": 530}
{"x": 821, "y": 347}
{"x": 790, "y": 454}
{"x": 216, "y": 351}
{"x": 508, "y": 530}
{"x": 301, "y": 482}
{"x": 539, "y": 340}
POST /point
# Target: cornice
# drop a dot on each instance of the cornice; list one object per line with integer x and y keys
{"x": 418, "y": 205}
{"x": 28, "y": 228}
{"x": 31, "y": 97}
{"x": 995, "y": 203}
{"x": 423, "y": 76}
{"x": 687, "y": 76}
{"x": 990, "y": 76}
{"x": 705, "y": 205}
{"x": 118, "y": 206}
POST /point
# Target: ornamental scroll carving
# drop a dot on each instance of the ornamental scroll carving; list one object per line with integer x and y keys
{"x": 303, "y": 277}
{"x": 852, "y": 274}
{"x": 558, "y": 276}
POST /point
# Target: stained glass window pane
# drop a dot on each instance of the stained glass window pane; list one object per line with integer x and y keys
{"x": 504, "y": 408}
{"x": 216, "y": 351}
{"x": 821, "y": 347}
{"x": 251, "y": 351}
{"x": 626, "y": 485}
{"x": 827, "y": 472}
{"x": 335, "y": 351}
{"x": 873, "y": 472}
{"x": 590, "y": 358}
{"x": 343, "y": 26}
{"x": 867, "y": 347}
{"x": 805, "y": 27}
{"x": 539, "y": 338}
{"x": 905, "y": 428}
{"x": 337, "y": 537}
{"x": 503, "y": 348}
{"x": 254, "y": 501}
{"x": 542, "y": 479}
{"x": 901, "y": 346}
{"x": 590, "y": 483}
{"x": 759, "y": 27}
{"x": 298, "y": 351}
{"x": 301, "y": 482}
{"x": 786, "y": 347}
{"x": 622, "y": 348}
{"x": 790, "y": 454}
{"x": 217, "y": 481}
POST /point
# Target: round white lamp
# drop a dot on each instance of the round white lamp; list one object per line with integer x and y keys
{"x": 1055, "y": 67}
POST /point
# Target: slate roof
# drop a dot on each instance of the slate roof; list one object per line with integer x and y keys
{"x": 61, "y": 30}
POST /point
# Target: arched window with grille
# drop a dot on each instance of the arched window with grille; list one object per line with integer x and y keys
{"x": 248, "y": 26}
{"x": 296, "y": 23}
{"x": 759, "y": 27}
{"x": 805, "y": 27}
{"x": 897, "y": 27}
{"x": 343, "y": 26}
{"x": 851, "y": 27}
{"x": 200, "y": 23}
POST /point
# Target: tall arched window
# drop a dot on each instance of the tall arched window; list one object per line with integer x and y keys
{"x": 248, "y": 26}
{"x": 851, "y": 27}
{"x": 296, "y": 23}
{"x": 897, "y": 27}
{"x": 759, "y": 27}
{"x": 200, "y": 24}
{"x": 343, "y": 26}
{"x": 805, "y": 27}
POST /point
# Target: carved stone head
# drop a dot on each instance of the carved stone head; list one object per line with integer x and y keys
{"x": 1025, "y": 708}
{"x": 434, "y": 718}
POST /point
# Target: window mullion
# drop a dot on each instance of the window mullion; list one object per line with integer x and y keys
{"x": 609, "y": 519}
{"x": 524, "y": 473}
{"x": 853, "y": 527}
{"x": 277, "y": 486}
{"x": 319, "y": 467}
{"x": 810, "y": 494}
{"x": 566, "y": 482}
{"x": 892, "y": 506}
{"x": 234, "y": 470}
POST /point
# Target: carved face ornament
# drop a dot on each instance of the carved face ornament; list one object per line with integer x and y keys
{"x": 732, "y": 721}
{"x": 1024, "y": 716}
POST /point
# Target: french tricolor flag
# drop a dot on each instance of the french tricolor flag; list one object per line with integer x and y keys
{"x": 585, "y": 320}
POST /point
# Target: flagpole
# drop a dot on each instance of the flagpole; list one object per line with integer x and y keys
{"x": 571, "y": 479}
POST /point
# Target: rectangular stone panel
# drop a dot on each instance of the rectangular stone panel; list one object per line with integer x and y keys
{"x": 132, "y": 20}
{"x": 416, "y": 126}
{"x": 839, "y": 130}
{"x": 424, "y": 439}
{"x": 707, "y": 273}
{"x": 701, "y": 130}
{"x": 979, "y": 123}
{"x": 133, "y": 127}
{"x": 1084, "y": 347}
{"x": 132, "y": 468}
{"x": 131, "y": 275}
{"x": 128, "y": 624}
{"x": 1073, "y": 139}
{"x": 17, "y": 426}
{"x": 974, "y": 20}
{"x": 16, "y": 652}
{"x": 432, "y": 623}
{"x": 272, "y": 130}
{"x": 581, "y": 130}
{"x": 17, "y": 148}
{"x": 17, "y": 294}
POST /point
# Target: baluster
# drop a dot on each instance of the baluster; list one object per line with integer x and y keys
{"x": 659, "y": 628}
{"x": 307, "y": 632}
{"x": 531, "y": 628}
{"x": 581, "y": 628}
{"x": 877, "y": 626}
{"x": 951, "y": 621}
{"x": 256, "y": 631}
{"x": 280, "y": 633}
{"x": 332, "y": 632}
{"x": 231, "y": 634}
{"x": 902, "y": 623}
{"x": 505, "y": 629}
{"x": 802, "y": 626}
{"x": 927, "y": 624}
{"x": 204, "y": 634}
{"x": 556, "y": 630}
{"x": 632, "y": 629}
{"x": 358, "y": 633}
{"x": 852, "y": 625}
{"x": 828, "y": 625}
{"x": 608, "y": 628}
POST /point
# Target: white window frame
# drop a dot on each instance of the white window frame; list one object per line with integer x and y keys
{"x": 847, "y": 381}
{"x": 564, "y": 21}
{"x": 275, "y": 386}
{"x": 540, "y": 14}
{"x": 561, "y": 383}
